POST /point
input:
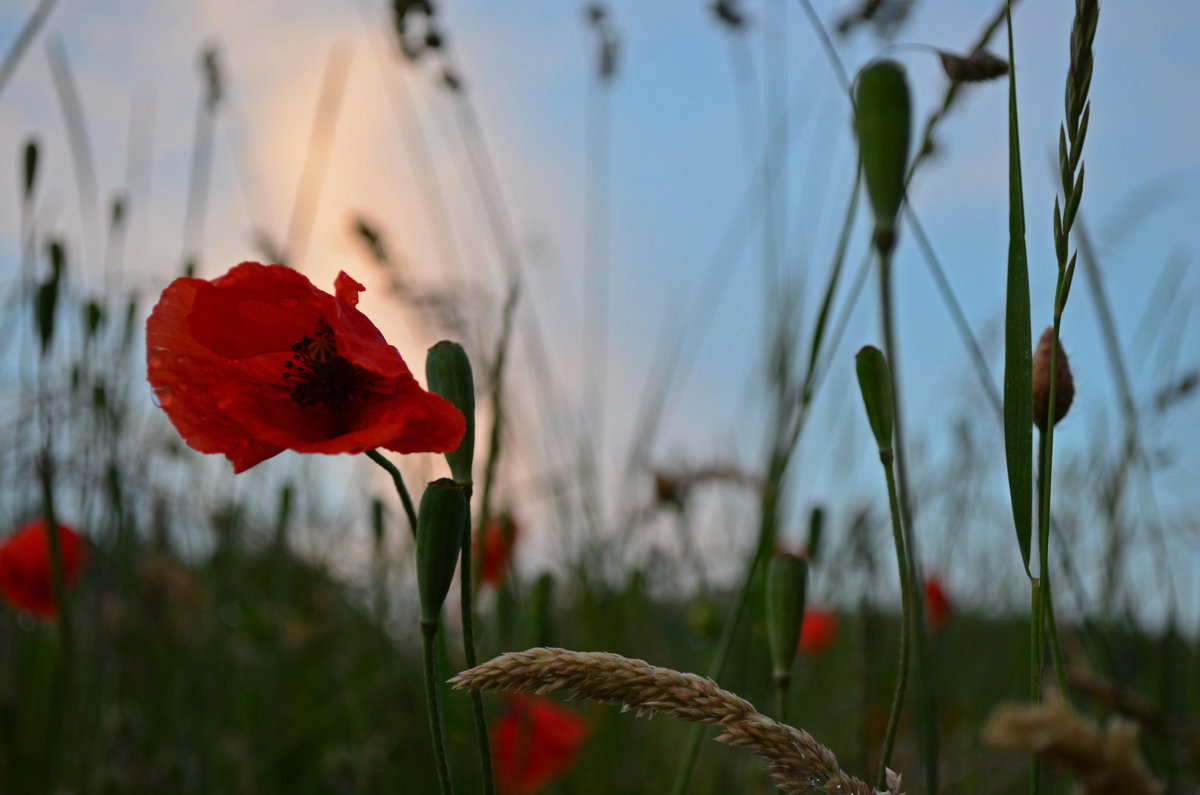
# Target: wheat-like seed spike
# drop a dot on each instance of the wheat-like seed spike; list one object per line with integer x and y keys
{"x": 796, "y": 761}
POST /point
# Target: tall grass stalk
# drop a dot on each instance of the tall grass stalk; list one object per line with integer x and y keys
{"x": 32, "y": 25}
{"x": 316, "y": 158}
{"x": 1071, "y": 138}
{"x": 495, "y": 436}
{"x": 201, "y": 167}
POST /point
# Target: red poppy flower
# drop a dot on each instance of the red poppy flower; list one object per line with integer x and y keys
{"x": 938, "y": 609}
{"x": 534, "y": 742}
{"x": 259, "y": 361}
{"x": 25, "y": 578}
{"x": 498, "y": 537}
{"x": 818, "y": 630}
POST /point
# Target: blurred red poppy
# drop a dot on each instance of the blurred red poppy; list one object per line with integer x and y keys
{"x": 534, "y": 742}
{"x": 25, "y": 577}
{"x": 259, "y": 361}
{"x": 497, "y": 539}
{"x": 818, "y": 630}
{"x": 938, "y": 609}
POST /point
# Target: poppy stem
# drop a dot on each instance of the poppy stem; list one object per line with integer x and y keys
{"x": 66, "y": 657}
{"x": 468, "y": 630}
{"x": 925, "y": 687}
{"x": 905, "y": 610}
{"x": 434, "y": 705}
{"x": 401, "y": 489}
{"x": 57, "y": 571}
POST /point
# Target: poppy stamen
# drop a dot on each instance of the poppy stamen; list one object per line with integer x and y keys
{"x": 324, "y": 377}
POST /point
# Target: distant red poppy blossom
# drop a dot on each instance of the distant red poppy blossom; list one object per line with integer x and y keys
{"x": 534, "y": 742}
{"x": 818, "y": 630}
{"x": 938, "y": 609}
{"x": 259, "y": 361}
{"x": 26, "y": 581}
{"x": 497, "y": 539}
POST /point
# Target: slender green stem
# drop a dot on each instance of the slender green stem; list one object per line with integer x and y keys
{"x": 496, "y": 378}
{"x": 905, "y": 607}
{"x": 468, "y": 630}
{"x": 1060, "y": 669}
{"x": 63, "y": 694}
{"x": 926, "y": 696}
{"x": 398, "y": 479}
{"x": 434, "y": 706}
{"x": 57, "y": 572}
{"x": 1047, "y": 602}
{"x": 724, "y": 645}
{"x": 781, "y": 699}
{"x": 1035, "y": 671}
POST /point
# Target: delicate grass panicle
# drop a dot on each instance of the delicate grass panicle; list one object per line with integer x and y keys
{"x": 796, "y": 761}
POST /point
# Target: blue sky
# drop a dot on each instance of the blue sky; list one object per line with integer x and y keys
{"x": 681, "y": 142}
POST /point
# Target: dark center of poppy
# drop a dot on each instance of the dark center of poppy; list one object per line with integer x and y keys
{"x": 321, "y": 377}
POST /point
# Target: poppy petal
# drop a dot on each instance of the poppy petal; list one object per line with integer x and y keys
{"x": 259, "y": 360}
{"x": 26, "y": 581}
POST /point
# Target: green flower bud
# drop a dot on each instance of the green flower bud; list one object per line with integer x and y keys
{"x": 47, "y": 293}
{"x": 816, "y": 524}
{"x": 787, "y": 578}
{"x": 31, "y": 167}
{"x": 882, "y": 124}
{"x": 875, "y": 381}
{"x": 448, "y": 373}
{"x": 441, "y": 521}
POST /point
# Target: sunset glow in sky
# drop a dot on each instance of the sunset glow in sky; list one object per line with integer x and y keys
{"x": 687, "y": 114}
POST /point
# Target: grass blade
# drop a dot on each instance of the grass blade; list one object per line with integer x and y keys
{"x": 1018, "y": 342}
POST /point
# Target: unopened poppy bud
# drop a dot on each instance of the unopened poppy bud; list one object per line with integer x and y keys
{"x": 441, "y": 521}
{"x": 816, "y": 525}
{"x": 787, "y": 579}
{"x": 31, "y": 163}
{"x": 881, "y": 122}
{"x": 875, "y": 381}
{"x": 1064, "y": 391}
{"x": 448, "y": 372}
{"x": 47, "y": 293}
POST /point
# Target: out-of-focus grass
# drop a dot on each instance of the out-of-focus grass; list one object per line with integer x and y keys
{"x": 256, "y": 671}
{"x": 211, "y": 656}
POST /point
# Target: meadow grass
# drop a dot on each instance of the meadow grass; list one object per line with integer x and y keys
{"x": 215, "y": 644}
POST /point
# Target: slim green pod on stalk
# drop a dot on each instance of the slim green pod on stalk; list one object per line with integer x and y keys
{"x": 787, "y": 580}
{"x": 881, "y": 122}
{"x": 816, "y": 526}
{"x": 875, "y": 381}
{"x": 441, "y": 521}
{"x": 448, "y": 373}
{"x": 31, "y": 164}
